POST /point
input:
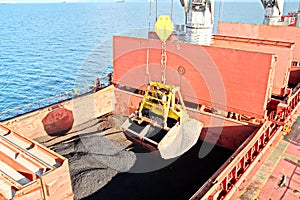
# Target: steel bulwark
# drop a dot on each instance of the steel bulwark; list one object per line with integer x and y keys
{"x": 286, "y": 109}
{"x": 226, "y": 180}
{"x": 232, "y": 173}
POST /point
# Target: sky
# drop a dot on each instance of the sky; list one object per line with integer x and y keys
{"x": 57, "y": 1}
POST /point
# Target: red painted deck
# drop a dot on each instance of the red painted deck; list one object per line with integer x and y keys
{"x": 265, "y": 181}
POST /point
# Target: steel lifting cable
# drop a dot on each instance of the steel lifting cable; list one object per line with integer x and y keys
{"x": 148, "y": 49}
{"x": 221, "y": 10}
{"x": 156, "y": 10}
{"x": 163, "y": 28}
{"x": 163, "y": 62}
{"x": 147, "y": 65}
{"x": 150, "y": 15}
{"x": 172, "y": 5}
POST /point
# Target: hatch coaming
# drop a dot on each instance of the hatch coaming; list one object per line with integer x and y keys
{"x": 217, "y": 77}
{"x": 28, "y": 169}
{"x": 282, "y": 49}
{"x": 262, "y": 32}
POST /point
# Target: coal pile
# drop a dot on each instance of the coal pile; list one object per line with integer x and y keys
{"x": 93, "y": 161}
{"x": 93, "y": 158}
{"x": 106, "y": 165}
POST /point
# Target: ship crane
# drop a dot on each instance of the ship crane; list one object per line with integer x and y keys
{"x": 199, "y": 20}
{"x": 273, "y": 10}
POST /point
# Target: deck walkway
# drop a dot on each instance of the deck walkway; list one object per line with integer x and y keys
{"x": 277, "y": 175}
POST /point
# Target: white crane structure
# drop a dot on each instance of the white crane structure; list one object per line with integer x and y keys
{"x": 273, "y": 11}
{"x": 199, "y": 20}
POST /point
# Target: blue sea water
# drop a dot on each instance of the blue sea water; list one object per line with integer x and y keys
{"x": 49, "y": 49}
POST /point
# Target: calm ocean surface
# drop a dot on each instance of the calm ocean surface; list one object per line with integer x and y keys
{"x": 49, "y": 49}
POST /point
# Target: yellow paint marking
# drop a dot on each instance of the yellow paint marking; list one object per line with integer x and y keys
{"x": 282, "y": 153}
{"x": 248, "y": 185}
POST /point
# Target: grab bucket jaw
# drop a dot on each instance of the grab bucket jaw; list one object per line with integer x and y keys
{"x": 180, "y": 139}
{"x": 173, "y": 143}
{"x": 161, "y": 122}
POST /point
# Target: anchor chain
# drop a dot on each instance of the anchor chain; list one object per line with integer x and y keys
{"x": 163, "y": 62}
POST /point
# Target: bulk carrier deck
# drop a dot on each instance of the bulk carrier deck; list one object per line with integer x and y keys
{"x": 244, "y": 88}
